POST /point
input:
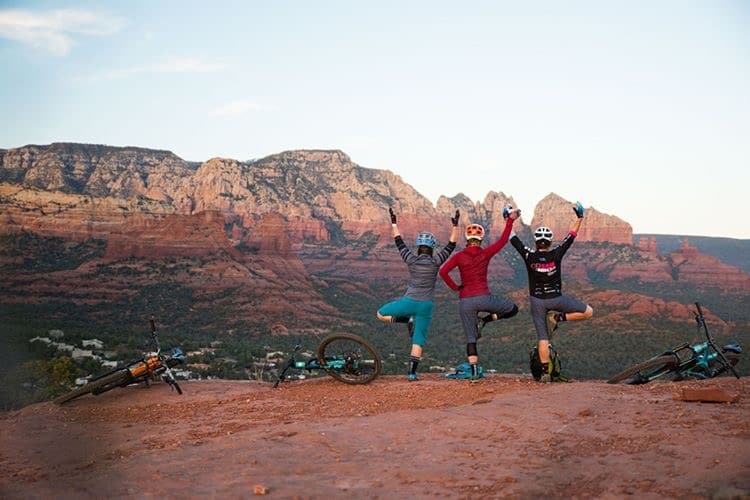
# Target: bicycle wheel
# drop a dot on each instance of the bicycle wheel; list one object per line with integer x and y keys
{"x": 349, "y": 358}
{"x": 646, "y": 371}
{"x": 104, "y": 383}
{"x": 719, "y": 366}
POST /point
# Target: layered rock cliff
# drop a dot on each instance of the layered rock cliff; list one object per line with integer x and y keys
{"x": 321, "y": 194}
{"x": 688, "y": 264}
{"x": 557, "y": 214}
{"x": 95, "y": 170}
{"x": 277, "y": 227}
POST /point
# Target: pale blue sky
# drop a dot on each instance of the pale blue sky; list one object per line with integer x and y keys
{"x": 640, "y": 109}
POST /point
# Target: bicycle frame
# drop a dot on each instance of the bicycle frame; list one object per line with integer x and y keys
{"x": 703, "y": 360}
{"x": 331, "y": 363}
{"x": 152, "y": 364}
{"x": 346, "y": 357}
{"x": 699, "y": 364}
{"x": 144, "y": 370}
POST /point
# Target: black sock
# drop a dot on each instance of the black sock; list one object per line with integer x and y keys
{"x": 400, "y": 319}
{"x": 413, "y": 364}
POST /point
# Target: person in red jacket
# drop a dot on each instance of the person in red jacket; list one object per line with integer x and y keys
{"x": 474, "y": 291}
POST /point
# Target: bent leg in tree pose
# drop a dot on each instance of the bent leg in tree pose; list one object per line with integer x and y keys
{"x": 474, "y": 291}
{"x": 415, "y": 307}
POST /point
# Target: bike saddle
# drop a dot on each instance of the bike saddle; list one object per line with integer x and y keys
{"x": 734, "y": 347}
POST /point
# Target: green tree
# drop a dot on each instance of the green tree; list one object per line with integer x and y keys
{"x": 35, "y": 381}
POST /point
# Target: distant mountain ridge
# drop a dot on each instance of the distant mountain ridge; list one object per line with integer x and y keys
{"x": 732, "y": 251}
{"x": 267, "y": 241}
{"x": 309, "y": 185}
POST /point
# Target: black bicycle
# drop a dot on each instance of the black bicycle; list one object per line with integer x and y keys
{"x": 344, "y": 356}
{"x": 685, "y": 361}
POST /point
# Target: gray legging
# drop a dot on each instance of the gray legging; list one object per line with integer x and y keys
{"x": 469, "y": 307}
{"x": 539, "y": 308}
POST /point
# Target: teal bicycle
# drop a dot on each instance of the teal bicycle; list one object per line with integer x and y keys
{"x": 685, "y": 361}
{"x": 346, "y": 357}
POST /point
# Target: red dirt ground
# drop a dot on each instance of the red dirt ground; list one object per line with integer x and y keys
{"x": 503, "y": 437}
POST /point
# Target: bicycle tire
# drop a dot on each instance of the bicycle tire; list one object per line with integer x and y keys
{"x": 113, "y": 380}
{"x": 364, "y": 365}
{"x": 733, "y": 359}
{"x": 646, "y": 371}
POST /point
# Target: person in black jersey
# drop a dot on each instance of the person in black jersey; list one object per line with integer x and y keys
{"x": 548, "y": 304}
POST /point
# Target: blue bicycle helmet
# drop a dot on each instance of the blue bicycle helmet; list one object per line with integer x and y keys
{"x": 427, "y": 239}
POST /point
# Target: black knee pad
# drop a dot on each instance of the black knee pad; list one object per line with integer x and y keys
{"x": 510, "y": 313}
{"x": 471, "y": 349}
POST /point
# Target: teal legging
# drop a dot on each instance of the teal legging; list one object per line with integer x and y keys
{"x": 421, "y": 310}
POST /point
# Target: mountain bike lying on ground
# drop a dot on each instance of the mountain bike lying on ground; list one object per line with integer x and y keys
{"x": 685, "y": 361}
{"x": 143, "y": 370}
{"x": 344, "y": 356}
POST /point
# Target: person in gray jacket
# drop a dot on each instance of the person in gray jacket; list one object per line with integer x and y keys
{"x": 415, "y": 307}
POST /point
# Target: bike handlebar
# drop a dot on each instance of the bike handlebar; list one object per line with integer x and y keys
{"x": 168, "y": 376}
{"x": 702, "y": 322}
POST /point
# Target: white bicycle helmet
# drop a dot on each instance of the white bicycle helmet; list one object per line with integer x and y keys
{"x": 474, "y": 232}
{"x": 543, "y": 236}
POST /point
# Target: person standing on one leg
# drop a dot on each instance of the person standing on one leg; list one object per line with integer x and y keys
{"x": 548, "y": 304}
{"x": 415, "y": 307}
{"x": 474, "y": 291}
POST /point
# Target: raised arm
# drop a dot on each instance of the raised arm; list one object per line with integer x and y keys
{"x": 514, "y": 239}
{"x": 403, "y": 250}
{"x": 516, "y": 242}
{"x": 394, "y": 226}
{"x": 503, "y": 239}
{"x": 454, "y": 230}
{"x": 447, "y": 250}
{"x": 568, "y": 240}
{"x": 453, "y": 261}
{"x": 578, "y": 209}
